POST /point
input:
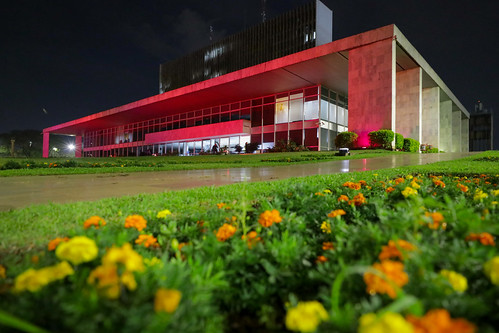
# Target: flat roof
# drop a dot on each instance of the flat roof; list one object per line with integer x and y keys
{"x": 322, "y": 65}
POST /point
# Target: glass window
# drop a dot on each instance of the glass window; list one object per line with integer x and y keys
{"x": 224, "y": 142}
{"x": 281, "y": 110}
{"x": 346, "y": 117}
{"x": 296, "y": 107}
{"x": 324, "y": 107}
{"x": 332, "y": 112}
{"x": 311, "y": 109}
{"x": 341, "y": 118}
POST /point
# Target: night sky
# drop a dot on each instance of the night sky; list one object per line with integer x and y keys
{"x": 61, "y": 60}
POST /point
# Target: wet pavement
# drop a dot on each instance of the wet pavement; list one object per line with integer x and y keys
{"x": 18, "y": 192}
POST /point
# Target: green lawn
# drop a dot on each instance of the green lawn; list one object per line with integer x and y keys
{"x": 58, "y": 166}
{"x": 236, "y": 271}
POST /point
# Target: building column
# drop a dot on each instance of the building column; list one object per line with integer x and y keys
{"x": 456, "y": 131}
{"x": 371, "y": 89}
{"x": 430, "y": 132}
{"x": 46, "y": 147}
{"x": 446, "y": 126}
{"x": 465, "y": 134}
{"x": 409, "y": 103}
{"x": 78, "y": 147}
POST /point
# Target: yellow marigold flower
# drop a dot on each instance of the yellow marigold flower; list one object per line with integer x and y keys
{"x": 128, "y": 280}
{"x": 343, "y": 198}
{"x": 225, "y": 232}
{"x": 167, "y": 300}
{"x": 391, "y": 274}
{"x": 326, "y": 227}
{"x": 149, "y": 262}
{"x": 495, "y": 193}
{"x": 415, "y": 185}
{"x": 77, "y": 250}
{"x": 409, "y": 177}
{"x": 164, "y": 213}
{"x": 491, "y": 269}
{"x": 327, "y": 191}
{"x": 336, "y": 212}
{"x": 126, "y": 256}
{"x": 306, "y": 316}
{"x": 493, "y": 203}
{"x": 462, "y": 188}
{"x": 458, "y": 282}
{"x": 358, "y": 200}
{"x": 485, "y": 238}
{"x": 55, "y": 242}
{"x": 135, "y": 221}
{"x": 267, "y": 218}
{"x": 439, "y": 321}
{"x": 95, "y": 221}
{"x": 479, "y": 195}
{"x": 147, "y": 241}
{"x": 390, "y": 189}
{"x": 392, "y": 250}
{"x": 409, "y": 191}
{"x": 437, "y": 219}
{"x": 327, "y": 246}
{"x": 2, "y": 272}
{"x": 33, "y": 280}
{"x": 106, "y": 279}
{"x": 389, "y": 322}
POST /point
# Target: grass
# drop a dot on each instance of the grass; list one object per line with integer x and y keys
{"x": 63, "y": 166}
{"x": 249, "y": 256}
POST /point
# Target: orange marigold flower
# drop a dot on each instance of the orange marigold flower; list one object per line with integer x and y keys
{"x": 267, "y": 218}
{"x": 392, "y": 250}
{"x": 391, "y": 275}
{"x": 221, "y": 205}
{"x": 321, "y": 259}
{"x": 462, "y": 187}
{"x": 251, "y": 238}
{"x": 437, "y": 218}
{"x": 327, "y": 246}
{"x": 485, "y": 238}
{"x": 438, "y": 182}
{"x": 439, "y": 321}
{"x": 343, "y": 198}
{"x": 399, "y": 180}
{"x": 225, "y": 232}
{"x": 147, "y": 241}
{"x": 320, "y": 194}
{"x": 135, "y": 221}
{"x": 363, "y": 182}
{"x": 358, "y": 200}
{"x": 336, "y": 212}
{"x": 390, "y": 189}
{"x": 56, "y": 241}
{"x": 95, "y": 221}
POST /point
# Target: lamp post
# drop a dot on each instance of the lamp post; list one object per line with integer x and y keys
{"x": 12, "y": 146}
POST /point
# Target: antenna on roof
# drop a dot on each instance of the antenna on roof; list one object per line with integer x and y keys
{"x": 264, "y": 15}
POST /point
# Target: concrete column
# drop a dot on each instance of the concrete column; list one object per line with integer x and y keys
{"x": 446, "y": 126}
{"x": 409, "y": 103}
{"x": 430, "y": 132}
{"x": 78, "y": 147}
{"x": 46, "y": 147}
{"x": 371, "y": 89}
{"x": 456, "y": 131}
{"x": 465, "y": 134}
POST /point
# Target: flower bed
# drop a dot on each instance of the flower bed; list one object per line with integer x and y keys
{"x": 412, "y": 253}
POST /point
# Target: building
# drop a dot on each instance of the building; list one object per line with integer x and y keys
{"x": 284, "y": 79}
{"x": 481, "y": 128}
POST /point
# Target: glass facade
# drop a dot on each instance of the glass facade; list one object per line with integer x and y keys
{"x": 309, "y": 116}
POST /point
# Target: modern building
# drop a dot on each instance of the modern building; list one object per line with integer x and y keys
{"x": 481, "y": 128}
{"x": 284, "y": 79}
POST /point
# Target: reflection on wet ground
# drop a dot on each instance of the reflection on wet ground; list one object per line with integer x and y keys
{"x": 22, "y": 191}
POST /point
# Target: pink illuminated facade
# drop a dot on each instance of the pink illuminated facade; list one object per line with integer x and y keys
{"x": 370, "y": 81}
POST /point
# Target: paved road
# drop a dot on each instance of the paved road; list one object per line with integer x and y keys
{"x": 18, "y": 192}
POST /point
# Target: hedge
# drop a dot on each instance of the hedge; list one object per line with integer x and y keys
{"x": 411, "y": 145}
{"x": 382, "y": 138}
{"x": 399, "y": 141}
{"x": 345, "y": 139}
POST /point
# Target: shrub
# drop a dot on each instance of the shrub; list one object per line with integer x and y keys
{"x": 251, "y": 147}
{"x": 430, "y": 151}
{"x": 411, "y": 145}
{"x": 399, "y": 141}
{"x": 382, "y": 138}
{"x": 282, "y": 147}
{"x": 11, "y": 165}
{"x": 345, "y": 139}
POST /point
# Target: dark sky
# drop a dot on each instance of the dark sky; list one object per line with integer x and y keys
{"x": 75, "y": 58}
